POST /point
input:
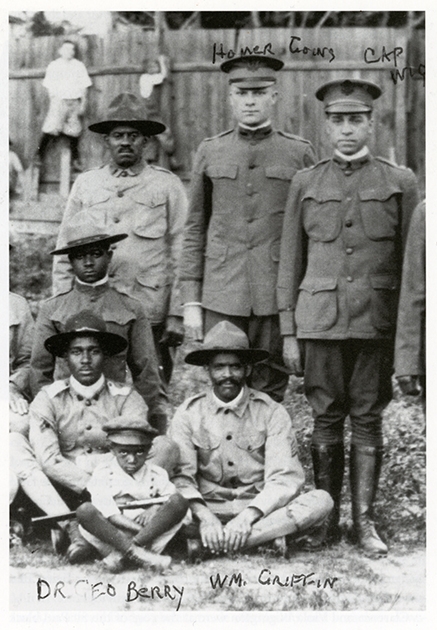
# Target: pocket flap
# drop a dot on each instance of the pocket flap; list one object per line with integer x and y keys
{"x": 280, "y": 172}
{"x": 250, "y": 442}
{"x": 150, "y": 199}
{"x": 222, "y": 170}
{"x": 153, "y": 280}
{"x": 314, "y": 285}
{"x": 323, "y": 195}
{"x": 206, "y": 441}
{"x": 384, "y": 282}
{"x": 152, "y": 225}
{"x": 381, "y": 193}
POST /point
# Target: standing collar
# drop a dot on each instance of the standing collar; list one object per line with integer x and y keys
{"x": 350, "y": 163}
{"x": 87, "y": 391}
{"x": 130, "y": 171}
{"x": 238, "y": 405}
{"x": 256, "y": 133}
{"x": 99, "y": 283}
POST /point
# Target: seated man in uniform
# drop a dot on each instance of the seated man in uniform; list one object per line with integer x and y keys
{"x": 239, "y": 466}
{"x": 67, "y": 416}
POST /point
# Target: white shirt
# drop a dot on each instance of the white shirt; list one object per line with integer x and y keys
{"x": 66, "y": 79}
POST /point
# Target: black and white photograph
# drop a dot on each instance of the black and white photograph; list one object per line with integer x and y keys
{"x": 217, "y": 349}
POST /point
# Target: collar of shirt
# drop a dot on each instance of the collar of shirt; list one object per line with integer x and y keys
{"x": 238, "y": 405}
{"x": 352, "y": 162}
{"x": 87, "y": 391}
{"x": 99, "y": 283}
{"x": 130, "y": 171}
{"x": 255, "y": 133}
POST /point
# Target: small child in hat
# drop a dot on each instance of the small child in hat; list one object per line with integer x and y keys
{"x": 140, "y": 534}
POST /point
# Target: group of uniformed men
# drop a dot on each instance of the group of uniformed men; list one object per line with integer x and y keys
{"x": 280, "y": 265}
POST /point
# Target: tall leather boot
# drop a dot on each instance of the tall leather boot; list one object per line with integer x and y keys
{"x": 365, "y": 466}
{"x": 328, "y": 465}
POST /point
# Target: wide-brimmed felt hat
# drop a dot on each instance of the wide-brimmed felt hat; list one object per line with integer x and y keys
{"x": 83, "y": 230}
{"x": 252, "y": 71}
{"x": 86, "y": 323}
{"x": 225, "y": 337}
{"x": 127, "y": 109}
{"x": 347, "y": 96}
{"x": 128, "y": 430}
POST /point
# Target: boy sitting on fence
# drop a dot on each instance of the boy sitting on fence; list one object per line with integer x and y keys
{"x": 156, "y": 510}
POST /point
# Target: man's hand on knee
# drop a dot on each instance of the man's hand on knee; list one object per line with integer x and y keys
{"x": 211, "y": 532}
{"x": 238, "y": 530}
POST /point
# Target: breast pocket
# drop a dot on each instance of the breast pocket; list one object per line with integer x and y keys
{"x": 152, "y": 221}
{"x": 207, "y": 447}
{"x": 384, "y": 301}
{"x": 222, "y": 171}
{"x": 253, "y": 444}
{"x": 321, "y": 215}
{"x": 317, "y": 307}
{"x": 379, "y": 212}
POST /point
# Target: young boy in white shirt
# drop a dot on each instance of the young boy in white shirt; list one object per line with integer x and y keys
{"x": 140, "y": 534}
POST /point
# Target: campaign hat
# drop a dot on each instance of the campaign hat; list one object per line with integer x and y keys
{"x": 85, "y": 323}
{"x": 83, "y": 230}
{"x": 226, "y": 337}
{"x": 348, "y": 96}
{"x": 127, "y": 109}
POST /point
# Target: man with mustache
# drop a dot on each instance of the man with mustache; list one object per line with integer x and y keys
{"x": 239, "y": 466}
{"x": 146, "y": 202}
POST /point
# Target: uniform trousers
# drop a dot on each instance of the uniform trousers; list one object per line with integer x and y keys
{"x": 352, "y": 378}
{"x": 270, "y": 377}
{"x": 163, "y": 353}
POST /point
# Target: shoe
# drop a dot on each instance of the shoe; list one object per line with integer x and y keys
{"x": 114, "y": 562}
{"x": 16, "y": 534}
{"x": 146, "y": 559}
{"x": 60, "y": 540}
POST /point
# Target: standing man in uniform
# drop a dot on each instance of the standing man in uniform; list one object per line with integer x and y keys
{"x": 231, "y": 244}
{"x": 146, "y": 202}
{"x": 345, "y": 225}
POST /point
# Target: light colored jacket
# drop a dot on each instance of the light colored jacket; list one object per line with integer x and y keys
{"x": 249, "y": 452}
{"x": 21, "y": 331}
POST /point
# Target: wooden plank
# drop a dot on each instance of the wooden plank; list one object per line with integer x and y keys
{"x": 65, "y": 168}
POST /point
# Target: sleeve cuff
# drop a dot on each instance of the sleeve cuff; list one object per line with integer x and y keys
{"x": 287, "y": 323}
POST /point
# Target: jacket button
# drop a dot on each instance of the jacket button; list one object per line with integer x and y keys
{"x": 251, "y": 166}
{"x": 116, "y": 220}
{"x": 89, "y": 450}
{"x": 123, "y": 173}
{"x": 89, "y": 427}
{"x": 79, "y": 397}
{"x": 230, "y": 463}
{"x": 349, "y": 279}
{"x": 227, "y": 411}
{"x": 349, "y": 250}
{"x": 249, "y": 448}
{"x": 348, "y": 223}
{"x": 88, "y": 402}
{"x": 120, "y": 194}
{"x": 229, "y": 437}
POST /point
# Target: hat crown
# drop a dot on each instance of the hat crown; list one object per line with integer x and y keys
{"x": 82, "y": 227}
{"x": 86, "y": 321}
{"x": 126, "y": 106}
{"x": 226, "y": 337}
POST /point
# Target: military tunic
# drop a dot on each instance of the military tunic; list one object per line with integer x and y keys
{"x": 410, "y": 332}
{"x": 66, "y": 428}
{"x": 21, "y": 333}
{"x": 123, "y": 316}
{"x": 148, "y": 203}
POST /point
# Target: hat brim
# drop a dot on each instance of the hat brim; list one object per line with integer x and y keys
{"x": 203, "y": 356}
{"x": 111, "y": 343}
{"x": 146, "y": 127}
{"x": 92, "y": 240}
{"x": 373, "y": 89}
{"x": 131, "y": 440}
{"x": 270, "y": 62}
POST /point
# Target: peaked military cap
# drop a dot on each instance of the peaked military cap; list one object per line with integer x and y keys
{"x": 83, "y": 230}
{"x": 344, "y": 96}
{"x": 127, "y": 109}
{"x": 85, "y": 323}
{"x": 129, "y": 431}
{"x": 252, "y": 71}
{"x": 225, "y": 337}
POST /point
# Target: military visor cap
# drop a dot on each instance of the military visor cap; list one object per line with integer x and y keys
{"x": 82, "y": 231}
{"x": 129, "y": 431}
{"x": 128, "y": 110}
{"x": 85, "y": 324}
{"x": 225, "y": 337}
{"x": 345, "y": 96}
{"x": 252, "y": 72}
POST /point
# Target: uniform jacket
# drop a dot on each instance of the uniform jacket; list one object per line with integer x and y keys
{"x": 66, "y": 428}
{"x": 21, "y": 331}
{"x": 410, "y": 332}
{"x": 248, "y": 452}
{"x": 341, "y": 251}
{"x": 123, "y": 316}
{"x": 231, "y": 244}
{"x": 149, "y": 204}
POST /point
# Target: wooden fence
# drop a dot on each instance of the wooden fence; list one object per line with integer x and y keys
{"x": 196, "y": 92}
